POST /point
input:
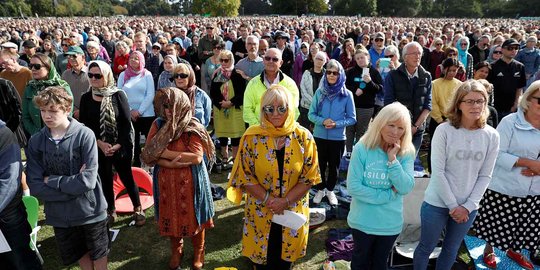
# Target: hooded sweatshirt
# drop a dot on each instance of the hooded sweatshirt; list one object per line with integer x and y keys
{"x": 73, "y": 194}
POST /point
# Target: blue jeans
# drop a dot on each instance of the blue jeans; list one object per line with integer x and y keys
{"x": 16, "y": 230}
{"x": 434, "y": 221}
{"x": 371, "y": 251}
{"x": 417, "y": 140}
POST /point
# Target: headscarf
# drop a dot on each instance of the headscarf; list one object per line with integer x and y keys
{"x": 130, "y": 72}
{"x": 490, "y": 57}
{"x": 462, "y": 54}
{"x": 107, "y": 117}
{"x": 223, "y": 75}
{"x": 266, "y": 128}
{"x": 52, "y": 80}
{"x": 165, "y": 76}
{"x": 182, "y": 121}
{"x": 332, "y": 91}
{"x": 191, "y": 89}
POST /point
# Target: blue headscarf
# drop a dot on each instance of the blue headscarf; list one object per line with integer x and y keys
{"x": 462, "y": 54}
{"x": 332, "y": 91}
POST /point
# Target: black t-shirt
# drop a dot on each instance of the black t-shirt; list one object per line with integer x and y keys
{"x": 506, "y": 79}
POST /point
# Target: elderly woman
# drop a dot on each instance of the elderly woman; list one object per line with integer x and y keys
{"x": 365, "y": 87}
{"x": 201, "y": 104}
{"x": 121, "y": 58}
{"x": 465, "y": 57}
{"x": 165, "y": 78}
{"x": 463, "y": 154}
{"x": 391, "y": 52}
{"x": 311, "y": 80}
{"x": 212, "y": 63}
{"x": 380, "y": 174}
{"x": 177, "y": 143}
{"x": 227, "y": 93}
{"x": 92, "y": 49}
{"x": 514, "y": 192}
{"x": 138, "y": 83}
{"x": 43, "y": 75}
{"x": 105, "y": 110}
{"x": 331, "y": 110}
{"x": 289, "y": 150}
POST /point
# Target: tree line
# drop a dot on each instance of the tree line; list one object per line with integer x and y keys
{"x": 395, "y": 8}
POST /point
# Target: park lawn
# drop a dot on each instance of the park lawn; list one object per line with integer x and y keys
{"x": 143, "y": 248}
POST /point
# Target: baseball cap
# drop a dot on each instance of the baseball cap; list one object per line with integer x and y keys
{"x": 74, "y": 50}
{"x": 29, "y": 44}
{"x": 9, "y": 45}
{"x": 510, "y": 42}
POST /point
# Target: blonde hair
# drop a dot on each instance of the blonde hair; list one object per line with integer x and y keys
{"x": 54, "y": 96}
{"x": 277, "y": 93}
{"x": 181, "y": 67}
{"x": 227, "y": 54}
{"x": 455, "y": 114}
{"x": 394, "y": 112}
{"x": 525, "y": 99}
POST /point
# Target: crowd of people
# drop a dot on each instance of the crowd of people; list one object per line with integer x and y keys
{"x": 283, "y": 100}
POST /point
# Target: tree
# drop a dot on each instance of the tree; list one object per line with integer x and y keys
{"x": 69, "y": 7}
{"x": 216, "y": 8}
{"x": 256, "y": 7}
{"x": 398, "y": 8}
{"x": 10, "y": 8}
{"x": 41, "y": 7}
{"x": 299, "y": 7}
{"x": 120, "y": 10}
{"x": 464, "y": 8}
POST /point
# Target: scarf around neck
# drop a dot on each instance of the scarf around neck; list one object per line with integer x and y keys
{"x": 107, "y": 117}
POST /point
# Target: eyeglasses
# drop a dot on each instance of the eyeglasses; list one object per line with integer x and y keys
{"x": 378, "y": 40}
{"x": 269, "y": 109}
{"x": 464, "y": 44}
{"x": 537, "y": 100}
{"x": 273, "y": 59}
{"x": 415, "y": 53}
{"x": 35, "y": 66}
{"x": 438, "y": 44}
{"x": 389, "y": 56}
{"x": 335, "y": 73}
{"x": 65, "y": 45}
{"x": 224, "y": 60}
{"x": 95, "y": 75}
{"x": 513, "y": 48}
{"x": 497, "y": 52}
{"x": 180, "y": 75}
{"x": 471, "y": 102}
{"x": 252, "y": 43}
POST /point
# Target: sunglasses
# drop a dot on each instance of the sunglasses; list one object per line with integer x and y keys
{"x": 464, "y": 44}
{"x": 513, "y": 48}
{"x": 378, "y": 40}
{"x": 335, "y": 73}
{"x": 65, "y": 45}
{"x": 438, "y": 44}
{"x": 389, "y": 56}
{"x": 218, "y": 48}
{"x": 537, "y": 100}
{"x": 452, "y": 54}
{"x": 273, "y": 59}
{"x": 97, "y": 76}
{"x": 269, "y": 109}
{"x": 209, "y": 28}
{"x": 497, "y": 52}
{"x": 180, "y": 75}
{"x": 35, "y": 66}
{"x": 224, "y": 60}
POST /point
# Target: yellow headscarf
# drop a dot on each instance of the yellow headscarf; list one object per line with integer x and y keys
{"x": 266, "y": 128}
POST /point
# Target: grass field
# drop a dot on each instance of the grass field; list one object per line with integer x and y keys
{"x": 144, "y": 248}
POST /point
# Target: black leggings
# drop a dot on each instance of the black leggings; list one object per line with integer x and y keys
{"x": 273, "y": 257}
{"x": 123, "y": 167}
{"x": 141, "y": 127}
{"x": 224, "y": 141}
{"x": 330, "y": 153}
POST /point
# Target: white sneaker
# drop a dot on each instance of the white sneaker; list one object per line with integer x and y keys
{"x": 331, "y": 198}
{"x": 318, "y": 197}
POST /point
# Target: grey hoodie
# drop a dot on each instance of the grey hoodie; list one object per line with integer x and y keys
{"x": 72, "y": 195}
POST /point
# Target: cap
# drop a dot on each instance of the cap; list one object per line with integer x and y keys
{"x": 266, "y": 34}
{"x": 509, "y": 42}
{"x": 29, "y": 44}
{"x": 156, "y": 45}
{"x": 178, "y": 41}
{"x": 281, "y": 34}
{"x": 9, "y": 45}
{"x": 379, "y": 35}
{"x": 74, "y": 50}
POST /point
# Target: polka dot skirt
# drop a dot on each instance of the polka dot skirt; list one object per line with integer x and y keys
{"x": 509, "y": 222}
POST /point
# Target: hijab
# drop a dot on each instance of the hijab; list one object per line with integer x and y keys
{"x": 130, "y": 72}
{"x": 52, "y": 80}
{"x": 107, "y": 116}
{"x": 462, "y": 54}
{"x": 337, "y": 89}
{"x": 182, "y": 121}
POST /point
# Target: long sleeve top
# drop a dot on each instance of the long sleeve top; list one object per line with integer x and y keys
{"x": 462, "y": 163}
{"x": 441, "y": 95}
{"x": 375, "y": 207}
{"x": 340, "y": 109}
{"x": 140, "y": 92}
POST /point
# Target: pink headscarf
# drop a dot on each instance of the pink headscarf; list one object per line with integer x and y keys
{"x": 130, "y": 72}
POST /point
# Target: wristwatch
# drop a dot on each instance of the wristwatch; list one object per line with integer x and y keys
{"x": 390, "y": 163}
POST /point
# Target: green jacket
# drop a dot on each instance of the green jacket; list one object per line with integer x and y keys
{"x": 31, "y": 116}
{"x": 254, "y": 92}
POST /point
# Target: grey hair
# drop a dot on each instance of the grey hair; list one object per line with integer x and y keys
{"x": 332, "y": 64}
{"x": 393, "y": 50}
{"x": 255, "y": 39}
{"x": 412, "y": 44}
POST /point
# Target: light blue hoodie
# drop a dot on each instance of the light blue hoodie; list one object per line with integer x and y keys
{"x": 340, "y": 109}
{"x": 375, "y": 208}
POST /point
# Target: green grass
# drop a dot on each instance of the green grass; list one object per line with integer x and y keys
{"x": 144, "y": 248}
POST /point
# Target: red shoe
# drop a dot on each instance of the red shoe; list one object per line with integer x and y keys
{"x": 490, "y": 260}
{"x": 519, "y": 259}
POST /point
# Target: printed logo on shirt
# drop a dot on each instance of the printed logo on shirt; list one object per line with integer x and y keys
{"x": 500, "y": 74}
{"x": 517, "y": 74}
{"x": 469, "y": 155}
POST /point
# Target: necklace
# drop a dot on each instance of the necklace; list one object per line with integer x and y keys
{"x": 279, "y": 142}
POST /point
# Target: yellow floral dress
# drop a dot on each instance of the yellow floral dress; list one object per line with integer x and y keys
{"x": 257, "y": 164}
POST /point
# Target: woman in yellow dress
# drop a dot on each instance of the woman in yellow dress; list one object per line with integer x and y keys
{"x": 275, "y": 167}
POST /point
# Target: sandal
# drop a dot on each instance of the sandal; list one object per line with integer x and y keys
{"x": 139, "y": 217}
{"x": 490, "y": 260}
